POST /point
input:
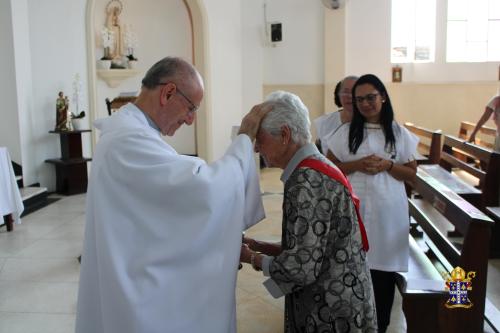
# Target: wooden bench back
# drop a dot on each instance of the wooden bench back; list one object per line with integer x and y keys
{"x": 473, "y": 256}
{"x": 118, "y": 102}
{"x": 487, "y": 170}
{"x": 466, "y": 129}
{"x": 430, "y": 146}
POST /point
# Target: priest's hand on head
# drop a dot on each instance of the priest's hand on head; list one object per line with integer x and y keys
{"x": 251, "y": 122}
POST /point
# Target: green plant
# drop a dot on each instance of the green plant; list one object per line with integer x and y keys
{"x": 78, "y": 116}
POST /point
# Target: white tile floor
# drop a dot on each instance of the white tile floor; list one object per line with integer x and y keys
{"x": 39, "y": 271}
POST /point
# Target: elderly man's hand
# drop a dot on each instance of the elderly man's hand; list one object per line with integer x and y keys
{"x": 245, "y": 253}
{"x": 250, "y": 242}
{"x": 251, "y": 122}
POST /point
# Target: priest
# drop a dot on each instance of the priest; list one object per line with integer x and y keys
{"x": 163, "y": 231}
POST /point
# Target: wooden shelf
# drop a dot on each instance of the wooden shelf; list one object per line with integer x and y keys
{"x": 113, "y": 77}
{"x": 70, "y": 132}
{"x": 71, "y": 167}
{"x": 68, "y": 162}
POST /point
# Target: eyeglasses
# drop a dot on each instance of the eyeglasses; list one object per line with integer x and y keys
{"x": 370, "y": 98}
{"x": 193, "y": 107}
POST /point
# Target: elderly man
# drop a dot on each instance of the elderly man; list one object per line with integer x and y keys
{"x": 163, "y": 231}
{"x": 328, "y": 124}
{"x": 320, "y": 264}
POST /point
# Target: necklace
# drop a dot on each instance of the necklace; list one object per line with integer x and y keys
{"x": 372, "y": 126}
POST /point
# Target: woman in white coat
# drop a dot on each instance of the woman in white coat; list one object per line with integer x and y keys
{"x": 377, "y": 155}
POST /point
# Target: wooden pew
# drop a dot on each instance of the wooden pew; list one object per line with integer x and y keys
{"x": 429, "y": 147}
{"x": 486, "y": 171}
{"x": 425, "y": 310}
{"x": 428, "y": 152}
{"x": 118, "y": 102}
{"x": 488, "y": 133}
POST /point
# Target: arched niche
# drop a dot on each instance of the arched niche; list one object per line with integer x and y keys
{"x": 198, "y": 20}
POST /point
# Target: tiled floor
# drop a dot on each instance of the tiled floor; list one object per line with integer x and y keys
{"x": 39, "y": 271}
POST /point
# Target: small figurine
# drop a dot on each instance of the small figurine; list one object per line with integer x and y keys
{"x": 62, "y": 105}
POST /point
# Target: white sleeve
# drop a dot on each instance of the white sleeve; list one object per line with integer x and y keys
{"x": 254, "y": 208}
{"x": 319, "y": 123}
{"x": 494, "y": 103}
{"x": 338, "y": 142}
{"x": 407, "y": 144}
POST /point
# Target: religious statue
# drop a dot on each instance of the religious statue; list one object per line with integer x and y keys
{"x": 113, "y": 10}
{"x": 62, "y": 106}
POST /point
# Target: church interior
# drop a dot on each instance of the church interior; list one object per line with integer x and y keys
{"x": 438, "y": 73}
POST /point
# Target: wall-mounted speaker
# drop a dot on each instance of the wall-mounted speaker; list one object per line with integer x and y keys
{"x": 276, "y": 32}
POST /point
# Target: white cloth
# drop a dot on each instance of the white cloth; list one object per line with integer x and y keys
{"x": 325, "y": 126}
{"x": 10, "y": 198}
{"x": 494, "y": 103}
{"x": 384, "y": 205}
{"x": 163, "y": 232}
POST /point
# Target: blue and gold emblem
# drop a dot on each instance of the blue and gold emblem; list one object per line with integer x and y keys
{"x": 458, "y": 286}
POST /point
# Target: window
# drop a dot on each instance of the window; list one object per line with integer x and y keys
{"x": 413, "y": 31}
{"x": 473, "y": 31}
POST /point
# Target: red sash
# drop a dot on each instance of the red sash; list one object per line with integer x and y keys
{"x": 337, "y": 175}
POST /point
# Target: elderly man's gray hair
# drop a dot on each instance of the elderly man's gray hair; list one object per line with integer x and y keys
{"x": 288, "y": 110}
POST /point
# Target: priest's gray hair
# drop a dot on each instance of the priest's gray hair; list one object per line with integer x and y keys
{"x": 288, "y": 110}
{"x": 172, "y": 69}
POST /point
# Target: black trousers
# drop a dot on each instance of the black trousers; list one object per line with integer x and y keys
{"x": 384, "y": 286}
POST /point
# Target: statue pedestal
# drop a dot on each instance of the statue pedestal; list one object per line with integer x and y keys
{"x": 71, "y": 168}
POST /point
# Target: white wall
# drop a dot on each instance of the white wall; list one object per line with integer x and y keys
{"x": 298, "y": 59}
{"x": 162, "y": 29}
{"x": 368, "y": 36}
{"x": 252, "y": 37}
{"x": 24, "y": 83}
{"x": 9, "y": 123}
{"x": 240, "y": 63}
{"x": 225, "y": 61}
{"x": 335, "y": 57}
{"x": 57, "y": 43}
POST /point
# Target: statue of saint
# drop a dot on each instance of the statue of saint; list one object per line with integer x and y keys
{"x": 62, "y": 105}
{"x": 113, "y": 24}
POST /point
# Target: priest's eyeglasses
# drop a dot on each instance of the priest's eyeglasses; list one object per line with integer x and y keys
{"x": 370, "y": 98}
{"x": 193, "y": 107}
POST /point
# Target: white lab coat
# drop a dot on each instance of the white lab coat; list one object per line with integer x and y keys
{"x": 163, "y": 232}
{"x": 325, "y": 126}
{"x": 384, "y": 205}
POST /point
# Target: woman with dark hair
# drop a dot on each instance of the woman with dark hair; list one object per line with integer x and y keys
{"x": 336, "y": 95}
{"x": 377, "y": 155}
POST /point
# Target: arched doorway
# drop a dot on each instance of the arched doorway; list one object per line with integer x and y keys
{"x": 198, "y": 22}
